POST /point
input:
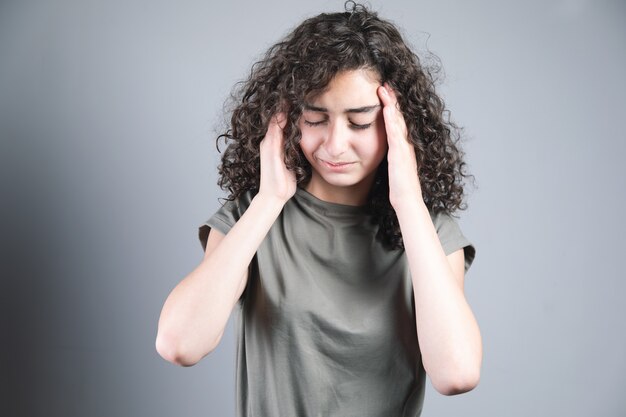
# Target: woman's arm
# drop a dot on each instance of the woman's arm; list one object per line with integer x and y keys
{"x": 195, "y": 313}
{"x": 448, "y": 334}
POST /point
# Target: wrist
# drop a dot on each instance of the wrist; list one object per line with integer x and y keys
{"x": 409, "y": 205}
{"x": 270, "y": 202}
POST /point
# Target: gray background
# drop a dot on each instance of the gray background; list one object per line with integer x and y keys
{"x": 108, "y": 113}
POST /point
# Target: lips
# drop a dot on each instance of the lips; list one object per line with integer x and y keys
{"x": 335, "y": 165}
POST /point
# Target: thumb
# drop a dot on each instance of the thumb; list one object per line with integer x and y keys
{"x": 281, "y": 119}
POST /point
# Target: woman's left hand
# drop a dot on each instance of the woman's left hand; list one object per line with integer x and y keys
{"x": 403, "y": 173}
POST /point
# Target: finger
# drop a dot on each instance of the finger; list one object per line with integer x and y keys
{"x": 394, "y": 120}
{"x": 393, "y": 95}
{"x": 281, "y": 119}
{"x": 384, "y": 95}
{"x": 388, "y": 95}
{"x": 274, "y": 132}
{"x": 274, "y": 141}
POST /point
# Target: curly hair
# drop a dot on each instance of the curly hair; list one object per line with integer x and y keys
{"x": 302, "y": 65}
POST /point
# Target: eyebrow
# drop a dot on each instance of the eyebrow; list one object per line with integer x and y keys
{"x": 364, "y": 109}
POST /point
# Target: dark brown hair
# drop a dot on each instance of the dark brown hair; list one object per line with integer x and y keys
{"x": 302, "y": 65}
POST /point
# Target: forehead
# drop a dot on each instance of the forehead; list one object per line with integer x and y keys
{"x": 348, "y": 89}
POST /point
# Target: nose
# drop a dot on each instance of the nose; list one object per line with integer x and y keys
{"x": 336, "y": 141}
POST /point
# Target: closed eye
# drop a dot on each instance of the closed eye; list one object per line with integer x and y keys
{"x": 352, "y": 125}
{"x": 306, "y": 122}
{"x": 365, "y": 126}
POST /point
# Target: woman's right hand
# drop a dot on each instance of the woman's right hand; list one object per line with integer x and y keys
{"x": 276, "y": 180}
{"x": 195, "y": 313}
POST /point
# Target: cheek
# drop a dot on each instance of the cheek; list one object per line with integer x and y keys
{"x": 308, "y": 140}
{"x": 307, "y": 146}
{"x": 378, "y": 145}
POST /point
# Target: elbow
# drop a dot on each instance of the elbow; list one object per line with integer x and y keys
{"x": 458, "y": 371}
{"x": 457, "y": 381}
{"x": 171, "y": 351}
{"x": 174, "y": 351}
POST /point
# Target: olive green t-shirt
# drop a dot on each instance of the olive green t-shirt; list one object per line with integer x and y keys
{"x": 326, "y": 324}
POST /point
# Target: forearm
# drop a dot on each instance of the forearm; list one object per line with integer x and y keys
{"x": 448, "y": 334}
{"x": 196, "y": 311}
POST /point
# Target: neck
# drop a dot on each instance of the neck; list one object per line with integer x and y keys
{"x": 352, "y": 195}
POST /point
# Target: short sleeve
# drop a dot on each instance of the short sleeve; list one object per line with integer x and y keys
{"x": 452, "y": 239}
{"x": 224, "y": 218}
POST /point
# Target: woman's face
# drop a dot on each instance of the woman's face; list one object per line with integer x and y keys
{"x": 343, "y": 137}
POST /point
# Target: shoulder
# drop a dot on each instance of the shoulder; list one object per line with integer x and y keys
{"x": 238, "y": 205}
{"x": 226, "y": 216}
{"x": 442, "y": 219}
{"x": 452, "y": 237}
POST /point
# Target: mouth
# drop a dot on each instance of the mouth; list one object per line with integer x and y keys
{"x": 336, "y": 164}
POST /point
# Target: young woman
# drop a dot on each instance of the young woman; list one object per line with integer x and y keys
{"x": 337, "y": 242}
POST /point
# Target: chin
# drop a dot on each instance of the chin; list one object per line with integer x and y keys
{"x": 338, "y": 179}
{"x": 343, "y": 182}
